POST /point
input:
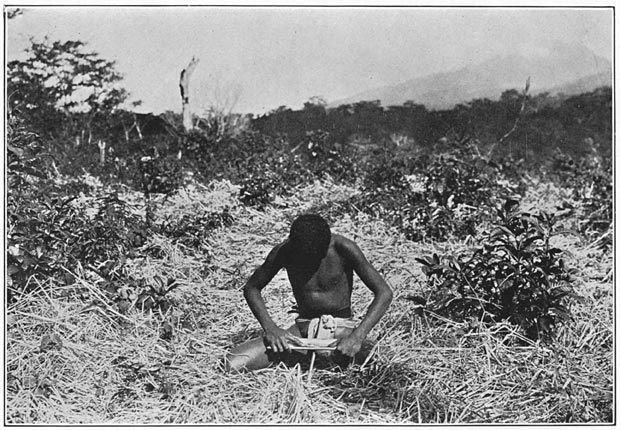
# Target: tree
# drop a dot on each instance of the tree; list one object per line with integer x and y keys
{"x": 314, "y": 113}
{"x": 62, "y": 88}
{"x": 370, "y": 118}
{"x": 218, "y": 98}
{"x": 12, "y": 13}
{"x": 184, "y": 88}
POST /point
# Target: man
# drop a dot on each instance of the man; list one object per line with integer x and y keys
{"x": 320, "y": 268}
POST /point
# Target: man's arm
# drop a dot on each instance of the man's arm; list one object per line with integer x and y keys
{"x": 351, "y": 344}
{"x": 275, "y": 337}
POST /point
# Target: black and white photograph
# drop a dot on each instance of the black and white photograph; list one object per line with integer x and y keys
{"x": 315, "y": 214}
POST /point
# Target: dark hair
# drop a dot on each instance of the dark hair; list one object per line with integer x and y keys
{"x": 310, "y": 235}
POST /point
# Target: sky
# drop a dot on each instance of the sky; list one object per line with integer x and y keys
{"x": 255, "y": 59}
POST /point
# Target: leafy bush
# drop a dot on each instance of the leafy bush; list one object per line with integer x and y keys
{"x": 516, "y": 276}
{"x": 198, "y": 147}
{"x": 324, "y": 156}
{"x": 114, "y": 232}
{"x": 270, "y": 173}
{"x": 260, "y": 190}
{"x": 31, "y": 246}
{"x": 591, "y": 181}
{"x": 263, "y": 167}
{"x": 47, "y": 235}
{"x": 160, "y": 174}
{"x": 126, "y": 292}
{"x": 273, "y": 169}
{"x": 434, "y": 196}
{"x": 25, "y": 155}
{"x": 39, "y": 239}
{"x": 193, "y": 229}
{"x": 440, "y": 222}
{"x": 595, "y": 189}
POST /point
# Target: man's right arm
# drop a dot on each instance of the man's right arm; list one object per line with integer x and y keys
{"x": 275, "y": 337}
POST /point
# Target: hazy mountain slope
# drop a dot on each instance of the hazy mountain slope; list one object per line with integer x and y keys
{"x": 563, "y": 66}
{"x": 582, "y": 85}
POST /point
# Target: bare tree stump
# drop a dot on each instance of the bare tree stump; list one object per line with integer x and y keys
{"x": 102, "y": 146}
{"x": 184, "y": 86}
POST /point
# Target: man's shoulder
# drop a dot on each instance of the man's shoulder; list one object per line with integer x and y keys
{"x": 278, "y": 252}
{"x": 343, "y": 244}
{"x": 338, "y": 238}
{"x": 281, "y": 247}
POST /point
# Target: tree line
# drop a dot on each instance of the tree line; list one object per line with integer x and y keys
{"x": 573, "y": 124}
{"x": 74, "y": 99}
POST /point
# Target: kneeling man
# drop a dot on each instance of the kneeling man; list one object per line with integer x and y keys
{"x": 320, "y": 268}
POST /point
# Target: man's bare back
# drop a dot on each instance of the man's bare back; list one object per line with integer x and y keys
{"x": 320, "y": 268}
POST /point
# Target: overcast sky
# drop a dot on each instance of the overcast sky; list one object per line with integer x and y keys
{"x": 268, "y": 57}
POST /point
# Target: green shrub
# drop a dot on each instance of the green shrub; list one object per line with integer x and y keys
{"x": 26, "y": 156}
{"x": 259, "y": 190}
{"x": 161, "y": 175}
{"x": 591, "y": 179}
{"x": 193, "y": 229}
{"x": 126, "y": 292}
{"x": 38, "y": 238}
{"x": 114, "y": 232}
{"x": 324, "y": 156}
{"x": 263, "y": 176}
{"x": 597, "y": 194}
{"x": 33, "y": 246}
{"x": 434, "y": 196}
{"x": 516, "y": 276}
{"x": 50, "y": 237}
{"x": 276, "y": 170}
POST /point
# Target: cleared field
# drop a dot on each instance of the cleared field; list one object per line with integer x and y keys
{"x": 72, "y": 358}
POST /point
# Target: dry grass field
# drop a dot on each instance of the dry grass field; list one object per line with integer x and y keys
{"x": 72, "y": 358}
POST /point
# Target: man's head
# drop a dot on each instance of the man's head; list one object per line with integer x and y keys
{"x": 310, "y": 236}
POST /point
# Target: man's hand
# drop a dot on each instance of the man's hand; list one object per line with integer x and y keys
{"x": 277, "y": 339}
{"x": 350, "y": 345}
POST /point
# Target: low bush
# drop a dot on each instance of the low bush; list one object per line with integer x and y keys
{"x": 50, "y": 237}
{"x": 435, "y": 196}
{"x": 590, "y": 182}
{"x": 277, "y": 171}
{"x": 162, "y": 175}
{"x": 26, "y": 156}
{"x": 38, "y": 241}
{"x": 193, "y": 229}
{"x": 259, "y": 190}
{"x": 595, "y": 190}
{"x": 324, "y": 156}
{"x": 126, "y": 292}
{"x": 516, "y": 276}
{"x": 113, "y": 232}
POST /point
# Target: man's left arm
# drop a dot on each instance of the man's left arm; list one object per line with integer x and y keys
{"x": 351, "y": 344}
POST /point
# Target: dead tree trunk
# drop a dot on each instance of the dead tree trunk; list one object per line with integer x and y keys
{"x": 102, "y": 145}
{"x": 516, "y": 123}
{"x": 184, "y": 86}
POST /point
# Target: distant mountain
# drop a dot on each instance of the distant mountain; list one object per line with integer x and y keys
{"x": 583, "y": 85}
{"x": 563, "y": 68}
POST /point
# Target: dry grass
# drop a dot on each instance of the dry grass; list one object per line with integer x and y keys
{"x": 103, "y": 367}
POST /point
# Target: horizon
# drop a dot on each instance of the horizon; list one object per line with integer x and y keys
{"x": 264, "y": 58}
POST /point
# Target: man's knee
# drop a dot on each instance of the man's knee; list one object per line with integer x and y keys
{"x": 235, "y": 363}
{"x": 250, "y": 355}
